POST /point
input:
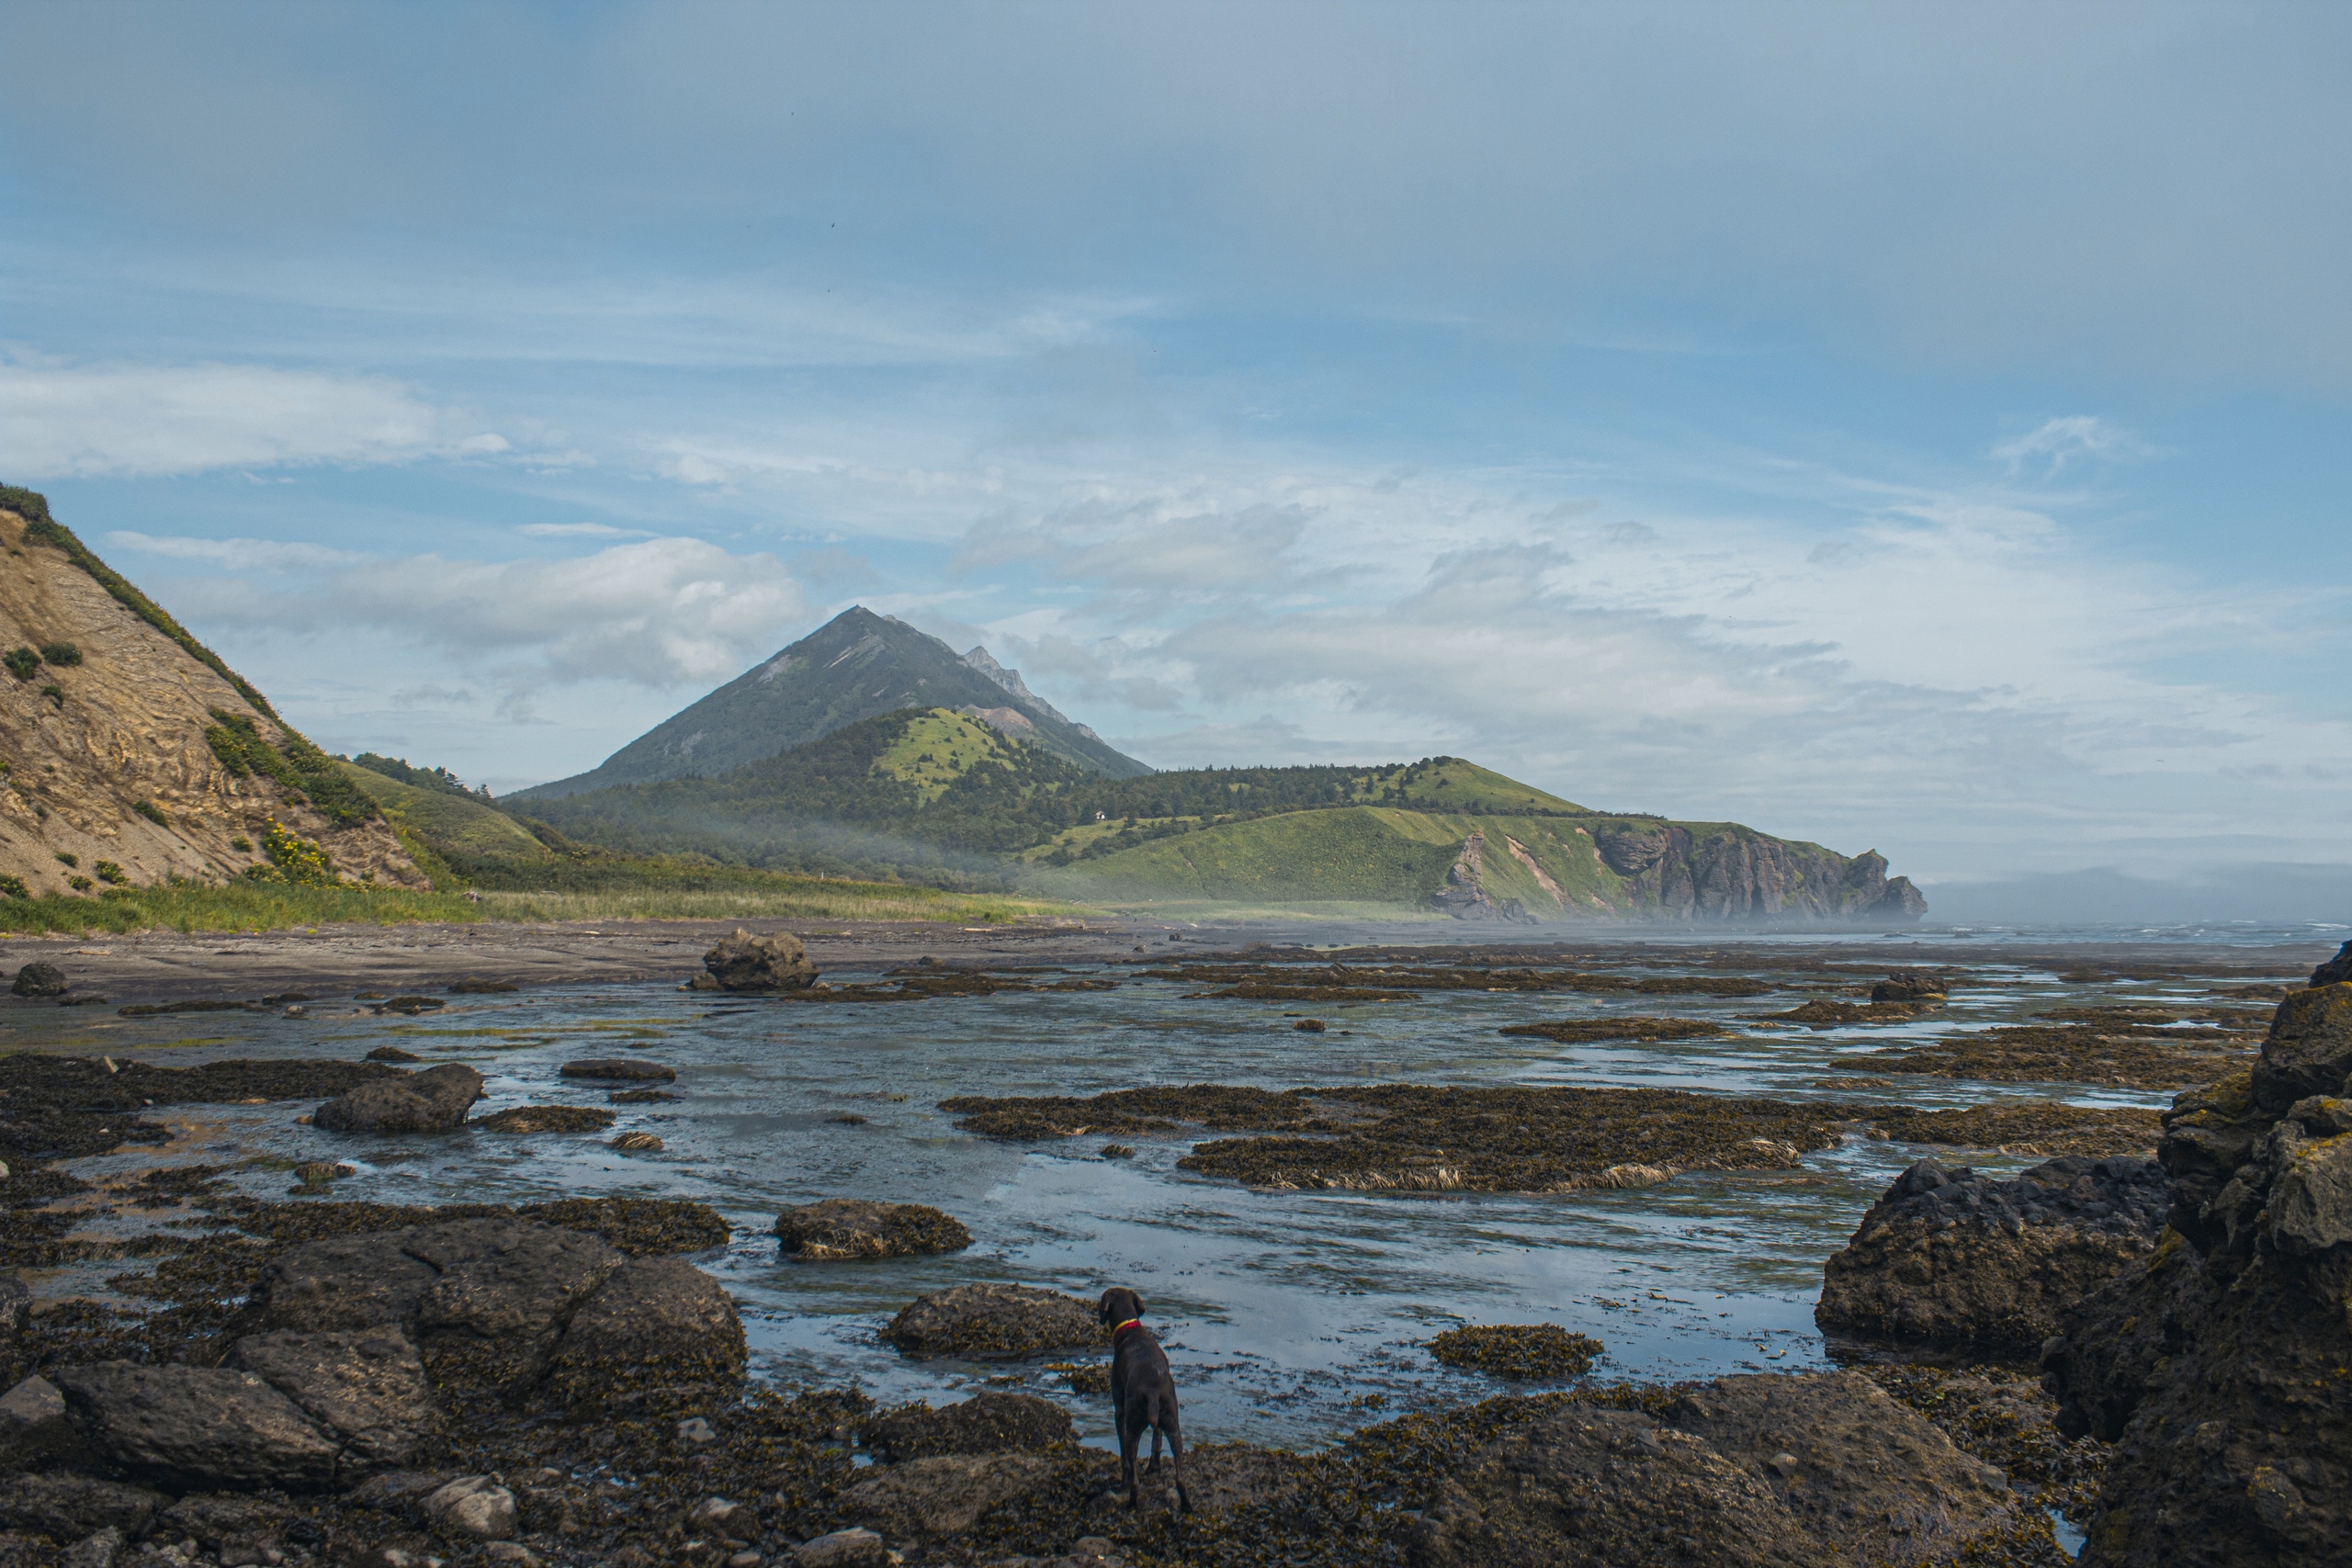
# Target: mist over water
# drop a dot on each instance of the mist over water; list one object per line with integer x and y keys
{"x": 1291, "y": 1317}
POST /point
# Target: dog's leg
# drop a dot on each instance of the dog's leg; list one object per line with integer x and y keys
{"x": 1129, "y": 1436}
{"x": 1176, "y": 1461}
{"x": 1153, "y": 1468}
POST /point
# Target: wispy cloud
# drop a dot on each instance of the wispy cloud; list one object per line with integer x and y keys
{"x": 2055, "y": 443}
{"x": 242, "y": 554}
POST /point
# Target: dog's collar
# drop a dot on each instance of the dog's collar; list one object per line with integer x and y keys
{"x": 1131, "y": 1323}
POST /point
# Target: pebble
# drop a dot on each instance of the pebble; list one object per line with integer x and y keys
{"x": 694, "y": 1429}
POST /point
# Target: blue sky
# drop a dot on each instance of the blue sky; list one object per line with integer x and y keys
{"x": 1912, "y": 427}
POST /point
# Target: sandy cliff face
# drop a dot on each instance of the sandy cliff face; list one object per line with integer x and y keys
{"x": 85, "y": 743}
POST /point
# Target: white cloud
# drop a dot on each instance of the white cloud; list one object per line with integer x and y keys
{"x": 660, "y": 613}
{"x": 2058, "y": 442}
{"x": 580, "y": 531}
{"x": 246, "y": 553}
{"x": 60, "y": 419}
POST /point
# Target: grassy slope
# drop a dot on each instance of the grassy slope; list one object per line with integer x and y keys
{"x": 939, "y": 747}
{"x": 452, "y": 822}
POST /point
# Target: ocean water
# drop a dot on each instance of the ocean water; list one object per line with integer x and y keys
{"x": 1291, "y": 1317}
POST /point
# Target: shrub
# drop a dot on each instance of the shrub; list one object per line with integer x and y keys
{"x": 80, "y": 884}
{"x": 152, "y": 812}
{"x": 296, "y": 859}
{"x": 14, "y": 886}
{"x": 110, "y": 873}
{"x": 242, "y": 844}
{"x": 21, "y": 662}
{"x": 56, "y": 695}
{"x": 67, "y": 857}
{"x": 309, "y": 776}
{"x": 61, "y": 654}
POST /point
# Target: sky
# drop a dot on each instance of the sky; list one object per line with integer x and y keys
{"x": 1920, "y": 428}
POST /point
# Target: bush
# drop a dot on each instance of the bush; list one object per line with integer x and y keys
{"x": 152, "y": 812}
{"x": 110, "y": 873}
{"x": 242, "y": 844}
{"x": 80, "y": 884}
{"x": 14, "y": 886}
{"x": 309, "y": 776}
{"x": 21, "y": 662}
{"x": 61, "y": 654}
{"x": 67, "y": 857}
{"x": 297, "y": 860}
{"x": 56, "y": 695}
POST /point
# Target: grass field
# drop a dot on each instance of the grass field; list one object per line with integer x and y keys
{"x": 728, "y": 895}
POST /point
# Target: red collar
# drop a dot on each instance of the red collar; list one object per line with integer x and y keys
{"x": 1131, "y": 1323}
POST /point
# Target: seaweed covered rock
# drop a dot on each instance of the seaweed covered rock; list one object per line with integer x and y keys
{"x": 496, "y": 1304}
{"x": 433, "y": 1101}
{"x": 1950, "y": 1258}
{"x": 547, "y": 1119}
{"x": 1594, "y": 1488}
{"x": 367, "y": 1388}
{"x": 858, "y": 1227}
{"x": 990, "y": 1322}
{"x": 746, "y": 963}
{"x": 1874, "y": 1482}
{"x": 942, "y": 1498}
{"x": 1522, "y": 1350}
{"x": 1912, "y": 985}
{"x": 39, "y": 979}
{"x": 984, "y": 1423}
{"x": 67, "y": 1507}
{"x": 2218, "y": 1366}
{"x": 195, "y": 1428}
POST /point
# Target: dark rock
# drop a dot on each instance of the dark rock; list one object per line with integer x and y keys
{"x": 392, "y": 1053}
{"x": 943, "y": 1497}
{"x": 503, "y": 1293}
{"x": 198, "y": 1426}
{"x": 2218, "y": 1366}
{"x": 843, "y": 1548}
{"x": 366, "y": 1387}
{"x": 473, "y": 1507}
{"x": 993, "y": 1322}
{"x": 746, "y": 963}
{"x": 2336, "y": 971}
{"x": 620, "y": 1067}
{"x": 39, "y": 979}
{"x": 411, "y": 1006}
{"x": 1874, "y": 1482}
{"x": 342, "y": 1282}
{"x": 547, "y": 1119}
{"x": 395, "y": 1489}
{"x": 658, "y": 1322}
{"x": 16, "y": 1304}
{"x": 433, "y": 1101}
{"x": 232, "y": 1528}
{"x": 1949, "y": 1258}
{"x": 984, "y": 1423}
{"x": 1911, "y": 986}
{"x": 1586, "y": 1488}
{"x": 101, "y": 1548}
{"x": 32, "y": 1422}
{"x": 69, "y": 1506}
{"x": 858, "y": 1227}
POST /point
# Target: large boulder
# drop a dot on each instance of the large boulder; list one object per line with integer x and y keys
{"x": 942, "y": 1498}
{"x": 1591, "y": 1488}
{"x": 1873, "y": 1480}
{"x": 656, "y": 1324}
{"x": 435, "y": 1100}
{"x": 991, "y": 1321}
{"x": 859, "y": 1227}
{"x": 2336, "y": 970}
{"x": 1948, "y": 1258}
{"x": 199, "y": 1427}
{"x": 32, "y": 1422}
{"x": 366, "y": 1387}
{"x": 2218, "y": 1366}
{"x": 39, "y": 979}
{"x": 1912, "y": 985}
{"x": 67, "y": 1507}
{"x": 746, "y": 963}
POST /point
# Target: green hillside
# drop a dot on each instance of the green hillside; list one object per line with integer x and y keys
{"x": 463, "y": 834}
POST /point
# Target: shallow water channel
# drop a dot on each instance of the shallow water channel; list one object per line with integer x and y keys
{"x": 1291, "y": 1316}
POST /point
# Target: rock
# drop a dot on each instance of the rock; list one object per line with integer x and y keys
{"x": 843, "y": 1548}
{"x": 515, "y": 1550}
{"x": 32, "y": 1422}
{"x": 67, "y": 1507}
{"x": 2217, "y": 1365}
{"x": 697, "y": 1431}
{"x": 1948, "y": 1257}
{"x": 746, "y": 963}
{"x": 394, "y": 1490}
{"x": 621, "y": 1069}
{"x": 102, "y": 1550}
{"x": 2335, "y": 971}
{"x": 503, "y": 1294}
{"x": 344, "y": 1281}
{"x": 857, "y": 1228}
{"x": 234, "y": 1530}
{"x": 473, "y": 1507}
{"x": 15, "y": 1298}
{"x": 1911, "y": 986}
{"x": 547, "y": 1119}
{"x": 658, "y": 1322}
{"x": 985, "y": 1423}
{"x": 637, "y": 1144}
{"x": 992, "y": 1322}
{"x": 392, "y": 1053}
{"x": 433, "y": 1101}
{"x": 198, "y": 1426}
{"x": 1874, "y": 1482}
{"x": 945, "y": 1495}
{"x": 39, "y": 979}
{"x": 366, "y": 1387}
{"x": 1586, "y": 1488}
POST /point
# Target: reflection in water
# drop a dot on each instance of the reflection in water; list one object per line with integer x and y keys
{"x": 1284, "y": 1311}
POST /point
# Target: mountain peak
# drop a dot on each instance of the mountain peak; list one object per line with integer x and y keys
{"x": 856, "y": 666}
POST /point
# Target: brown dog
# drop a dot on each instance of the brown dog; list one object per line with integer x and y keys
{"x": 1143, "y": 1392}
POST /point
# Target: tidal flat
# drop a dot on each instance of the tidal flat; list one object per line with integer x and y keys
{"x": 1295, "y": 1312}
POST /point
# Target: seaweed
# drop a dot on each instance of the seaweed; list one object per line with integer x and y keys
{"x": 2085, "y": 1053}
{"x": 547, "y": 1119}
{"x": 1578, "y": 1031}
{"x": 1522, "y": 1351}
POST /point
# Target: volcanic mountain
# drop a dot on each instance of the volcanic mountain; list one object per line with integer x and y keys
{"x": 856, "y": 666}
{"x": 130, "y": 753}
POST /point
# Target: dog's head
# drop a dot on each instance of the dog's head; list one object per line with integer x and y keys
{"x": 1119, "y": 1303}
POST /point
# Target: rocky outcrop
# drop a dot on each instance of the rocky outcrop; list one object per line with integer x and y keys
{"x": 198, "y": 1426}
{"x": 858, "y": 1227}
{"x": 134, "y": 746}
{"x": 985, "y": 1423}
{"x": 1465, "y": 895}
{"x": 993, "y": 1322}
{"x": 1953, "y": 1258}
{"x": 1722, "y": 873}
{"x": 774, "y": 962}
{"x": 2218, "y": 1365}
{"x": 435, "y": 1100}
{"x": 1912, "y": 985}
